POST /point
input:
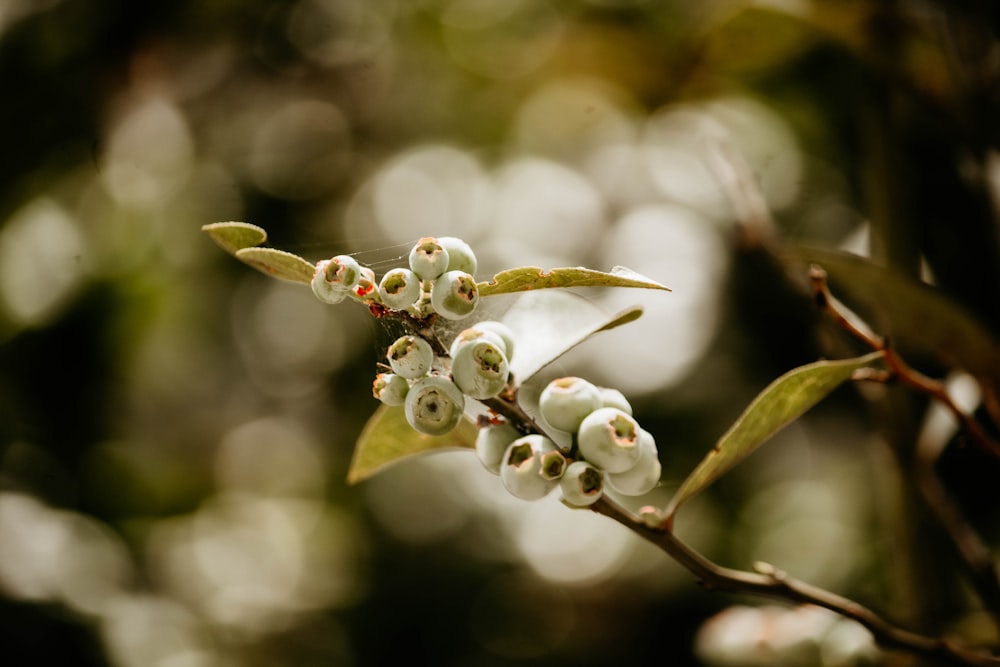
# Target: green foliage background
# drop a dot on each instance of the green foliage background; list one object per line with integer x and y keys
{"x": 164, "y": 436}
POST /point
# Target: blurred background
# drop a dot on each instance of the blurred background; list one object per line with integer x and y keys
{"x": 175, "y": 428}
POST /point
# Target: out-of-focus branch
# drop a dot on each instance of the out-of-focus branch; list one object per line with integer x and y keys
{"x": 771, "y": 582}
{"x": 971, "y": 548}
{"x": 899, "y": 369}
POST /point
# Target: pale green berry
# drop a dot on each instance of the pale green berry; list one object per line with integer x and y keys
{"x": 434, "y": 405}
{"x": 582, "y": 484}
{"x": 410, "y": 357}
{"x": 480, "y": 369}
{"x": 366, "y": 291}
{"x": 390, "y": 388}
{"x": 612, "y": 398}
{"x": 566, "y": 401}
{"x": 460, "y": 255}
{"x": 609, "y": 438}
{"x": 501, "y": 330}
{"x": 325, "y": 290}
{"x": 428, "y": 259}
{"x": 455, "y": 295}
{"x": 644, "y": 475}
{"x": 521, "y": 469}
{"x": 491, "y": 443}
{"x": 474, "y": 334}
{"x": 399, "y": 288}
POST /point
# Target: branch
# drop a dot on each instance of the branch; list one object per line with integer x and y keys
{"x": 770, "y": 582}
{"x": 900, "y": 370}
{"x": 972, "y": 550}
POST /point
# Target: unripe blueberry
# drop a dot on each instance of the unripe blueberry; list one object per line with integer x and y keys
{"x": 434, "y": 405}
{"x": 501, "y": 330}
{"x": 399, "y": 288}
{"x": 521, "y": 469}
{"x": 582, "y": 484}
{"x": 644, "y": 475}
{"x": 335, "y": 278}
{"x": 612, "y": 398}
{"x": 475, "y": 334}
{"x": 390, "y": 388}
{"x": 609, "y": 439}
{"x": 410, "y": 357}
{"x": 455, "y": 295}
{"x": 480, "y": 369}
{"x": 428, "y": 259}
{"x": 325, "y": 290}
{"x": 460, "y": 255}
{"x": 491, "y": 443}
{"x": 566, "y": 401}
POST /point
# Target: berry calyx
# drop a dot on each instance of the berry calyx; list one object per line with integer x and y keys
{"x": 399, "y": 288}
{"x": 480, "y": 369}
{"x": 644, "y": 475}
{"x": 455, "y": 295}
{"x": 499, "y": 329}
{"x": 428, "y": 258}
{"x": 566, "y": 401}
{"x": 434, "y": 405}
{"x": 582, "y": 484}
{"x": 609, "y": 438}
{"x": 390, "y": 388}
{"x": 410, "y": 357}
{"x": 335, "y": 278}
{"x": 521, "y": 470}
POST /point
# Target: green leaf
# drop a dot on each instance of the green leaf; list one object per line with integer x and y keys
{"x": 917, "y": 317}
{"x": 783, "y": 401}
{"x": 546, "y": 325}
{"x": 387, "y": 438}
{"x": 278, "y": 263}
{"x": 527, "y": 278}
{"x": 234, "y": 236}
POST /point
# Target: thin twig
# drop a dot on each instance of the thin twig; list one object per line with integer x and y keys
{"x": 899, "y": 369}
{"x": 971, "y": 549}
{"x": 771, "y": 582}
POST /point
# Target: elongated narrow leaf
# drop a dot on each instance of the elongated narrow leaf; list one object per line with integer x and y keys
{"x": 532, "y": 278}
{"x": 546, "y": 325}
{"x": 387, "y": 438}
{"x": 234, "y": 236}
{"x": 278, "y": 263}
{"x": 783, "y": 401}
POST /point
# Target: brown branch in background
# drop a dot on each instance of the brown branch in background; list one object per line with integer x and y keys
{"x": 771, "y": 582}
{"x": 972, "y": 550}
{"x": 898, "y": 368}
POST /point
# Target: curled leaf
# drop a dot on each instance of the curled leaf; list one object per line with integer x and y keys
{"x": 527, "y": 278}
{"x": 549, "y": 324}
{"x": 278, "y": 263}
{"x": 781, "y": 402}
{"x": 234, "y": 236}
{"x": 387, "y": 438}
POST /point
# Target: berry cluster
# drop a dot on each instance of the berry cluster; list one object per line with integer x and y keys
{"x": 434, "y": 395}
{"x": 609, "y": 446}
{"x": 439, "y": 280}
